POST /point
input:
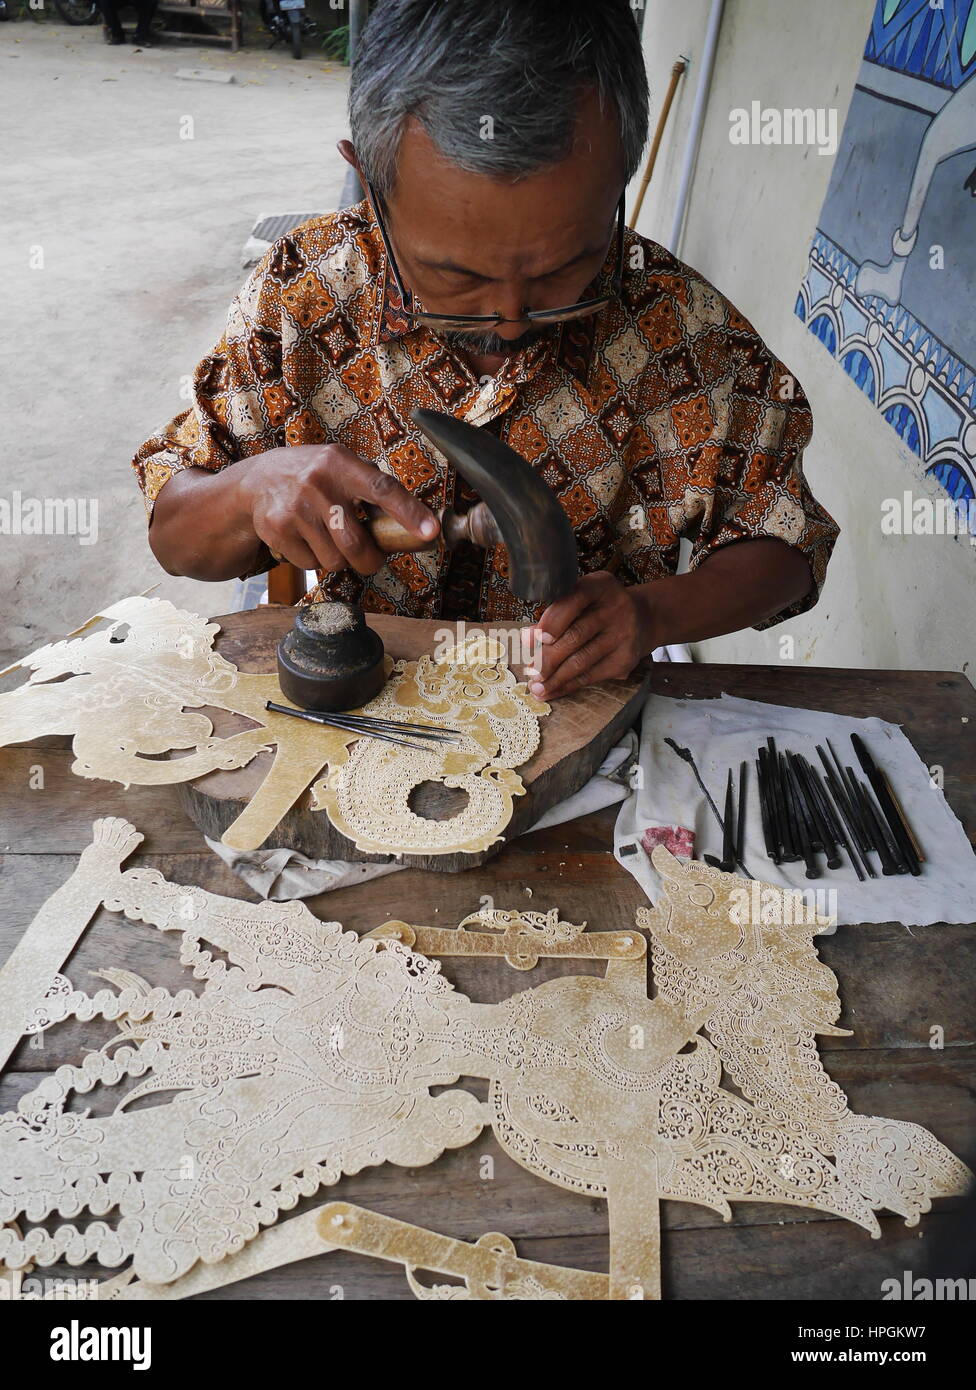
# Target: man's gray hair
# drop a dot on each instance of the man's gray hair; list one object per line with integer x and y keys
{"x": 494, "y": 83}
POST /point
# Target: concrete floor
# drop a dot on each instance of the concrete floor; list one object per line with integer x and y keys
{"x": 141, "y": 233}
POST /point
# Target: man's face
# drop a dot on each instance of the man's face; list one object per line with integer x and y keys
{"x": 468, "y": 244}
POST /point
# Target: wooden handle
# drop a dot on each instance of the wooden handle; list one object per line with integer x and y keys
{"x": 390, "y": 536}
{"x": 478, "y": 526}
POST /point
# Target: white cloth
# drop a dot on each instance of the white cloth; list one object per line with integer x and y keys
{"x": 679, "y": 653}
{"x": 281, "y": 874}
{"x": 722, "y": 733}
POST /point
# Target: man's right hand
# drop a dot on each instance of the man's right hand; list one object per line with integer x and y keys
{"x": 302, "y": 503}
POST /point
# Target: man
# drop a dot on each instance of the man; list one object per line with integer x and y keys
{"x": 112, "y": 28}
{"x": 496, "y": 140}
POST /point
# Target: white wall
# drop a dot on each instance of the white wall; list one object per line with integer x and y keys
{"x": 890, "y": 601}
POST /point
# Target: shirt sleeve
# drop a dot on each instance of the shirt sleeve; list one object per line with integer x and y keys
{"x": 750, "y": 484}
{"x": 239, "y": 401}
{"x": 728, "y": 452}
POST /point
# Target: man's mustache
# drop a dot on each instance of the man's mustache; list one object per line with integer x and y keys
{"x": 488, "y": 343}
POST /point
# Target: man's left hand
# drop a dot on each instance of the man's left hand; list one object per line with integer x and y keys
{"x": 599, "y": 632}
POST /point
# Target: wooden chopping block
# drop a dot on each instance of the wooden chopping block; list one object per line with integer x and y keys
{"x": 575, "y": 739}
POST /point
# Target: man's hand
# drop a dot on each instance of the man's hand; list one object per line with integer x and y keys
{"x": 302, "y": 503}
{"x": 598, "y": 633}
{"x": 603, "y": 629}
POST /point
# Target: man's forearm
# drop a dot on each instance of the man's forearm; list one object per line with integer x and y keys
{"x": 201, "y": 525}
{"x": 738, "y": 586}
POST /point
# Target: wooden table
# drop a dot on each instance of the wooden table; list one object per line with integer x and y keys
{"x": 896, "y": 985}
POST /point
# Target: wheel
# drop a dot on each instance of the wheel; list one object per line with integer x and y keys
{"x": 78, "y": 11}
{"x": 295, "y": 20}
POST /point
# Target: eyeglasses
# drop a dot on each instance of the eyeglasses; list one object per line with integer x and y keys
{"x": 581, "y": 310}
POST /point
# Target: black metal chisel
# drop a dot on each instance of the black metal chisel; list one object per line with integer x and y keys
{"x": 881, "y": 843}
{"x": 821, "y": 816}
{"x": 769, "y": 835}
{"x": 740, "y": 834}
{"x": 846, "y": 780}
{"x": 832, "y": 817}
{"x": 873, "y": 773}
{"x": 728, "y": 834}
{"x": 803, "y": 838}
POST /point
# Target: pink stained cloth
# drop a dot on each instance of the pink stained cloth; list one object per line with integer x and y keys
{"x": 676, "y": 838}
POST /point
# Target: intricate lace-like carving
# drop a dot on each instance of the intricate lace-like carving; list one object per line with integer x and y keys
{"x": 308, "y": 1056}
{"x": 135, "y": 684}
{"x": 471, "y": 690}
{"x": 311, "y": 1053}
{"x": 542, "y": 928}
{"x": 754, "y": 980}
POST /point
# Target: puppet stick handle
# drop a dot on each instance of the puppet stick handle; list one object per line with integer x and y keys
{"x": 634, "y": 1206}
{"x": 289, "y": 776}
{"x": 487, "y": 1265}
{"x": 49, "y": 940}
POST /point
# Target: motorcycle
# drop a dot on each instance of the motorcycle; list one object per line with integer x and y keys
{"x": 78, "y": 11}
{"x": 285, "y": 19}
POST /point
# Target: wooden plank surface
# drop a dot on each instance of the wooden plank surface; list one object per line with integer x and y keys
{"x": 896, "y": 986}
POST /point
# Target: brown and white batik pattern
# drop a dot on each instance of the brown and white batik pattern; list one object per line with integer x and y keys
{"x": 663, "y": 416}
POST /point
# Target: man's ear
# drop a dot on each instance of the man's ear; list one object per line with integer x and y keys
{"x": 345, "y": 148}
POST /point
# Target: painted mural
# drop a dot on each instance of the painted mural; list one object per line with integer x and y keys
{"x": 890, "y": 290}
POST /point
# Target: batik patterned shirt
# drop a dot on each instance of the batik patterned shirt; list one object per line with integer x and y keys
{"x": 664, "y": 416}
